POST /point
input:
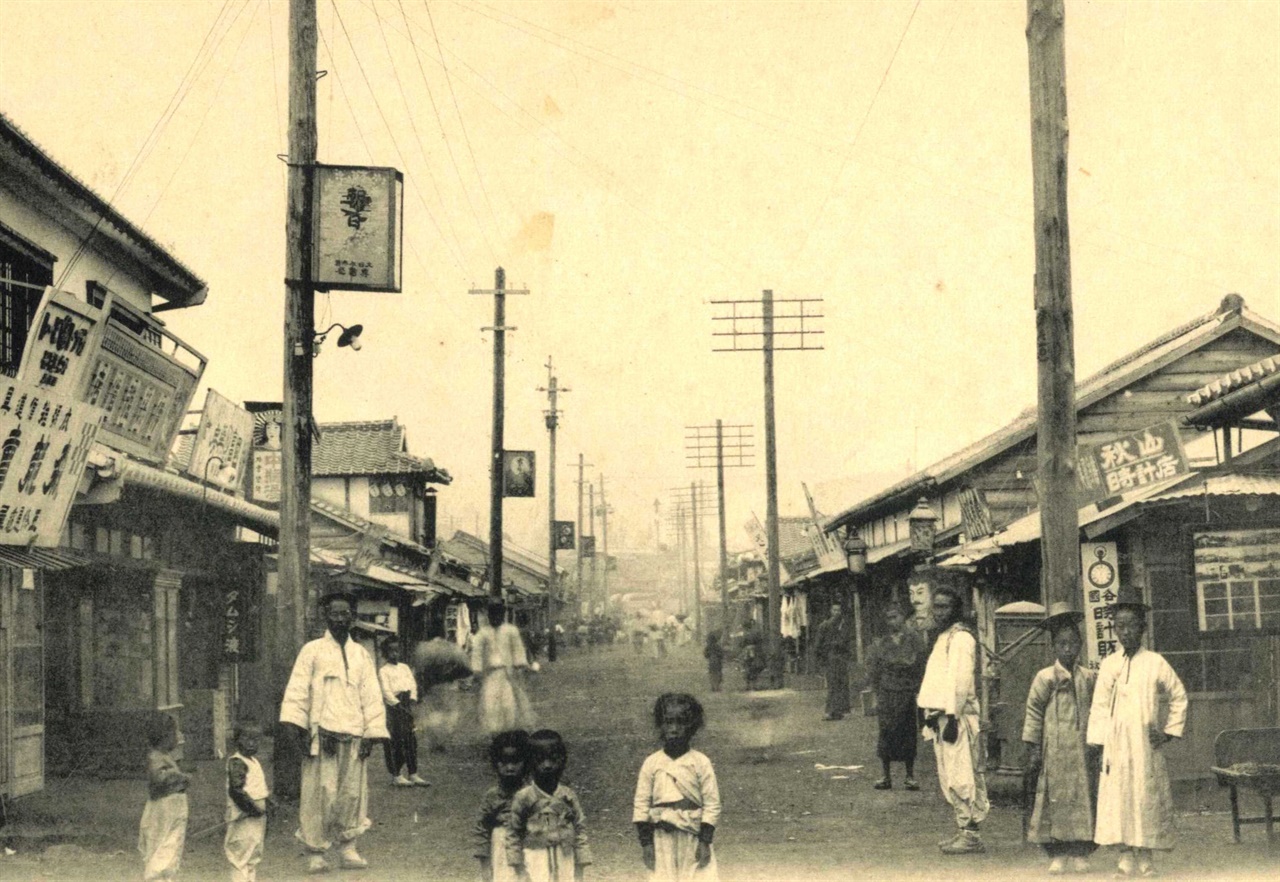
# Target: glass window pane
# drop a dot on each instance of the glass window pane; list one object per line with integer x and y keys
{"x": 1213, "y": 590}
{"x": 1217, "y": 623}
{"x": 1173, "y": 630}
{"x": 1215, "y": 608}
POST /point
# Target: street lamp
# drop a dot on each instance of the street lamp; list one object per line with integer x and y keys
{"x": 923, "y": 525}
{"x": 349, "y": 337}
{"x": 855, "y": 551}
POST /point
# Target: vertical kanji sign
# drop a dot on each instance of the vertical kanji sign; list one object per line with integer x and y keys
{"x": 1100, "y": 573}
{"x": 241, "y": 615}
{"x": 358, "y": 216}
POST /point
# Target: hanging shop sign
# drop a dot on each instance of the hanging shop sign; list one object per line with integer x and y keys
{"x": 1100, "y": 574}
{"x": 756, "y": 531}
{"x": 564, "y": 535}
{"x": 1131, "y": 462}
{"x": 587, "y": 546}
{"x": 974, "y": 513}
{"x": 64, "y": 338}
{"x": 221, "y": 449}
{"x": 241, "y": 617}
{"x": 268, "y": 428}
{"x": 517, "y": 473}
{"x": 1238, "y": 581}
{"x": 44, "y": 444}
{"x": 358, "y": 218}
{"x": 143, "y": 379}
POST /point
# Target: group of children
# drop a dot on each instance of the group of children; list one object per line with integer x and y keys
{"x": 531, "y": 826}
{"x": 535, "y": 831}
{"x": 163, "y": 832}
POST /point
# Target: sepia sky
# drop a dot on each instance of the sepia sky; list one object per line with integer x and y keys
{"x": 629, "y": 162}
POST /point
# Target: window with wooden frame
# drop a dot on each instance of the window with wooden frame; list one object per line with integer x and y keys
{"x": 25, "y": 271}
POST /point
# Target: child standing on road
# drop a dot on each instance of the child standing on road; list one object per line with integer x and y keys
{"x": 677, "y": 802}
{"x": 247, "y": 794}
{"x": 508, "y": 754}
{"x": 547, "y": 836}
{"x": 399, "y": 692}
{"x": 162, "y": 835}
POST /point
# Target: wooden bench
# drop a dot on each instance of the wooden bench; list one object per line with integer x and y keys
{"x": 1249, "y": 759}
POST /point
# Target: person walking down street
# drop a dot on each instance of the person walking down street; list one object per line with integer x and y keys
{"x": 1135, "y": 800}
{"x": 895, "y": 665}
{"x": 752, "y": 657}
{"x": 1066, "y": 769}
{"x": 334, "y": 702}
{"x": 951, "y": 712}
{"x": 246, "y": 814}
{"x": 162, "y": 833}
{"x": 400, "y": 693}
{"x": 713, "y": 652}
{"x": 498, "y": 658}
{"x": 835, "y": 651}
{"x": 547, "y": 836}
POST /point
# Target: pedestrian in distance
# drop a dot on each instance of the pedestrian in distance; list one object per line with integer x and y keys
{"x": 895, "y": 665}
{"x": 334, "y": 703}
{"x": 1135, "y": 800}
{"x": 714, "y": 654}
{"x": 949, "y": 700}
{"x": 677, "y": 802}
{"x": 162, "y": 834}
{"x": 400, "y": 694}
{"x": 547, "y": 834}
{"x": 1065, "y": 767}
{"x": 835, "y": 650}
{"x": 247, "y": 802}
{"x": 752, "y": 655}
{"x": 509, "y": 757}
{"x": 498, "y": 658}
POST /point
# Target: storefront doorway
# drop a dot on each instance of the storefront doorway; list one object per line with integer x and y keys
{"x": 21, "y": 681}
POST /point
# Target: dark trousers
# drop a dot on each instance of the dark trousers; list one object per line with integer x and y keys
{"x": 402, "y": 750}
{"x": 837, "y": 686}
{"x": 1068, "y": 849}
{"x": 716, "y": 673}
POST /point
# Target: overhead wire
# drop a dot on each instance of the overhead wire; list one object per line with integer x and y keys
{"x": 275, "y": 92}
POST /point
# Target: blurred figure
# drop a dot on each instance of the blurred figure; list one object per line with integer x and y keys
{"x": 498, "y": 658}
{"x": 835, "y": 650}
{"x": 714, "y": 654}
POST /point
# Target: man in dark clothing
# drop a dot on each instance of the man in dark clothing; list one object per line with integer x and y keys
{"x": 834, "y": 653}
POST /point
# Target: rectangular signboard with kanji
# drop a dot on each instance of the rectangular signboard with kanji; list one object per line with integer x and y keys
{"x": 1130, "y": 462}
{"x": 358, "y": 217}
{"x": 1100, "y": 573}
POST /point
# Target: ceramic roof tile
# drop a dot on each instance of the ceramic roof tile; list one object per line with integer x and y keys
{"x": 375, "y": 447}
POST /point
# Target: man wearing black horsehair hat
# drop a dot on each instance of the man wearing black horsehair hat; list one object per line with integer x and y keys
{"x": 1135, "y": 800}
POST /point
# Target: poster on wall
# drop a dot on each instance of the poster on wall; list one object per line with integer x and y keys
{"x": 1100, "y": 573}
{"x": 1238, "y": 581}
{"x": 44, "y": 444}
{"x": 64, "y": 338}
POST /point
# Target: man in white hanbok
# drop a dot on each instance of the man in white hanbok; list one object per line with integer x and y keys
{"x": 949, "y": 700}
{"x": 1135, "y": 801}
{"x": 334, "y": 703}
{"x": 498, "y": 658}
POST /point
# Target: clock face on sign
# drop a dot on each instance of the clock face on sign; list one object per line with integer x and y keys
{"x": 1101, "y": 574}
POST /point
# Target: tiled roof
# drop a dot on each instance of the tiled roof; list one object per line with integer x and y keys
{"x": 374, "y": 447}
{"x": 353, "y": 521}
{"x": 1124, "y": 370}
{"x": 180, "y": 276}
{"x": 1235, "y": 380}
{"x": 1226, "y": 485}
{"x": 793, "y": 538}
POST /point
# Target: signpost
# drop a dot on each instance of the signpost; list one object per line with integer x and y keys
{"x": 1100, "y": 572}
{"x": 1130, "y": 462}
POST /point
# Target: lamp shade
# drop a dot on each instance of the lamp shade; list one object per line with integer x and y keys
{"x": 923, "y": 525}
{"x": 855, "y": 552}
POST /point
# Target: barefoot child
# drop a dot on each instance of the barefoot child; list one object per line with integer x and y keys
{"x": 677, "y": 802}
{"x": 247, "y": 794}
{"x": 162, "y": 835}
{"x": 508, "y": 754}
{"x": 547, "y": 837}
{"x": 1056, "y": 721}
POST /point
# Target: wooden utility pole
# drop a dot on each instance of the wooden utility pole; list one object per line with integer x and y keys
{"x": 1055, "y": 356}
{"x": 581, "y": 591}
{"x": 684, "y": 585}
{"x": 604, "y": 537}
{"x": 724, "y": 549}
{"x": 700, "y": 443}
{"x": 293, "y": 601}
{"x": 499, "y": 329}
{"x": 553, "y": 421}
{"x": 774, "y": 644}
{"x": 697, "y": 562}
{"x": 595, "y": 552}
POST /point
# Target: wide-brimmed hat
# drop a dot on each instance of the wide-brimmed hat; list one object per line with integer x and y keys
{"x": 1130, "y": 597}
{"x": 1060, "y": 615}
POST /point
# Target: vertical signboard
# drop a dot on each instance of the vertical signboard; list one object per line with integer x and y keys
{"x": 564, "y": 535}
{"x": 64, "y": 339}
{"x": 517, "y": 473}
{"x": 44, "y": 444}
{"x": 223, "y": 440}
{"x": 1100, "y": 573}
{"x": 267, "y": 431}
{"x": 359, "y": 220}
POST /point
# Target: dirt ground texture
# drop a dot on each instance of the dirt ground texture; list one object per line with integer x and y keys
{"x": 783, "y": 819}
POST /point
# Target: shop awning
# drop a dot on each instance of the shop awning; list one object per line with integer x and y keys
{"x": 48, "y": 559}
{"x": 261, "y": 519}
{"x": 884, "y": 552}
{"x": 816, "y": 574}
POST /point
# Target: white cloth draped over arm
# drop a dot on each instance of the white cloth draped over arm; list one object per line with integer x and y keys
{"x": 710, "y": 793}
{"x": 644, "y": 792}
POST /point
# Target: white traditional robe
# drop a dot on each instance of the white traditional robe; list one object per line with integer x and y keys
{"x": 683, "y": 793}
{"x": 1135, "y": 801}
{"x": 949, "y": 686}
{"x": 498, "y": 657}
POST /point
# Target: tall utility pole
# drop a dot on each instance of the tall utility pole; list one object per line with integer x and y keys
{"x": 697, "y": 563}
{"x": 1055, "y": 356}
{"x": 684, "y": 586}
{"x": 797, "y": 332}
{"x": 293, "y": 599}
{"x": 553, "y": 420}
{"x": 582, "y": 466}
{"x": 699, "y": 446}
{"x": 499, "y": 328}
{"x": 591, "y": 501}
{"x": 604, "y": 529}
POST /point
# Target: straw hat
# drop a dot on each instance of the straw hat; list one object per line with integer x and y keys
{"x": 1060, "y": 615}
{"x": 1131, "y": 598}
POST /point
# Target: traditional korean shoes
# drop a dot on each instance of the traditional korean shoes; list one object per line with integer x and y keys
{"x": 351, "y": 859}
{"x": 316, "y": 864}
{"x": 911, "y": 784}
{"x": 1058, "y": 865}
{"x": 401, "y": 781}
{"x": 1126, "y": 865}
{"x": 418, "y": 781}
{"x": 883, "y": 784}
{"x": 1079, "y": 864}
{"x": 966, "y": 842}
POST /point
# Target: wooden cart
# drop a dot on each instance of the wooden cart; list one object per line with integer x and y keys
{"x": 1249, "y": 759}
